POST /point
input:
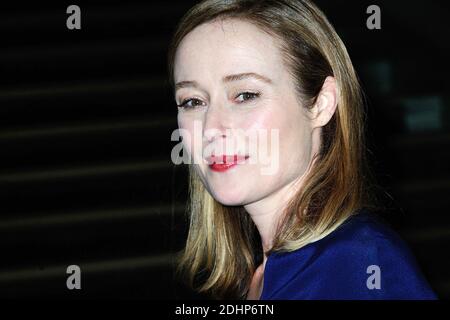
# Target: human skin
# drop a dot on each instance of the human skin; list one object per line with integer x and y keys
{"x": 205, "y": 56}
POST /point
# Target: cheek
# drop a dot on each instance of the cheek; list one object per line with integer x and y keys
{"x": 262, "y": 121}
{"x": 270, "y": 126}
{"x": 295, "y": 144}
{"x": 189, "y": 127}
{"x": 288, "y": 139}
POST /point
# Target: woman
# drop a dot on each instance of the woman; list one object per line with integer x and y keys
{"x": 271, "y": 117}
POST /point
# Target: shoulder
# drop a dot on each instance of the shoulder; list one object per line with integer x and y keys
{"x": 362, "y": 259}
{"x": 366, "y": 237}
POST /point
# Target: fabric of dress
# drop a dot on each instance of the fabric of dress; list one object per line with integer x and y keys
{"x": 362, "y": 259}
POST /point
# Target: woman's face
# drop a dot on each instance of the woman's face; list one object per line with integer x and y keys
{"x": 239, "y": 101}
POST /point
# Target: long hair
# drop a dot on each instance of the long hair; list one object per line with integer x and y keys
{"x": 223, "y": 246}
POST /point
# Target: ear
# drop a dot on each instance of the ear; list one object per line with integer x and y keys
{"x": 326, "y": 103}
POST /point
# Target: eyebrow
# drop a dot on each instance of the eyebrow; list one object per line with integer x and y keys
{"x": 229, "y": 78}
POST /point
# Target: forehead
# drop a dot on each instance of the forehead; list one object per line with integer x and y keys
{"x": 223, "y": 47}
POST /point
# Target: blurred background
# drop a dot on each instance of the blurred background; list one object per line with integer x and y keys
{"x": 86, "y": 117}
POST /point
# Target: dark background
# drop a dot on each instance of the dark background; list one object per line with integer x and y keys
{"x": 85, "y": 122}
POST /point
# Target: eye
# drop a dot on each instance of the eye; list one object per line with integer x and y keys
{"x": 190, "y": 103}
{"x": 246, "y": 96}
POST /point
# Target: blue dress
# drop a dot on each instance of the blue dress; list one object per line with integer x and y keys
{"x": 362, "y": 259}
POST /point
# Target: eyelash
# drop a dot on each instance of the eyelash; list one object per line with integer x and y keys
{"x": 253, "y": 94}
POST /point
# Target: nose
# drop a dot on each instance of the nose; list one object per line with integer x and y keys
{"x": 217, "y": 121}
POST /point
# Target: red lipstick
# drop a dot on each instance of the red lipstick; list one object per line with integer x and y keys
{"x": 225, "y": 162}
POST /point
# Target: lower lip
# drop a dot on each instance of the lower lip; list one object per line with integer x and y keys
{"x": 221, "y": 167}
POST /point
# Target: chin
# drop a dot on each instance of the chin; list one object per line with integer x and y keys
{"x": 233, "y": 197}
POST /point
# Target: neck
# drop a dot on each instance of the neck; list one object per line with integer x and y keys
{"x": 267, "y": 212}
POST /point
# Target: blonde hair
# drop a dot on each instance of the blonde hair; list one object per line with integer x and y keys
{"x": 223, "y": 245}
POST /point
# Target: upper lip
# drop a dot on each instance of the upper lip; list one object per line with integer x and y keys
{"x": 224, "y": 159}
